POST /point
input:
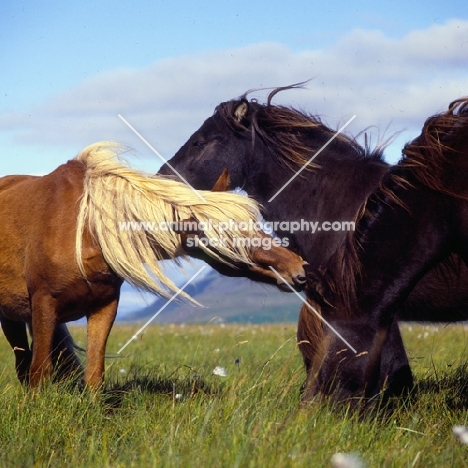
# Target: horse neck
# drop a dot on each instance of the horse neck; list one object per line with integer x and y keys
{"x": 332, "y": 192}
{"x": 403, "y": 233}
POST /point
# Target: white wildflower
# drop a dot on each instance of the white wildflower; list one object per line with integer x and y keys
{"x": 461, "y": 433}
{"x": 221, "y": 371}
{"x": 346, "y": 460}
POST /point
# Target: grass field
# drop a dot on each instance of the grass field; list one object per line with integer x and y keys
{"x": 164, "y": 407}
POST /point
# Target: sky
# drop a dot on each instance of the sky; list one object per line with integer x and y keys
{"x": 68, "y": 69}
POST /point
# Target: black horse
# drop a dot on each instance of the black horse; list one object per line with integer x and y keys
{"x": 417, "y": 218}
{"x": 263, "y": 146}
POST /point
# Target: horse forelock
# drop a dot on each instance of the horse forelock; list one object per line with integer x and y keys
{"x": 130, "y": 214}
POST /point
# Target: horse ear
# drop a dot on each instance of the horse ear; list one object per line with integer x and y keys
{"x": 223, "y": 182}
{"x": 241, "y": 110}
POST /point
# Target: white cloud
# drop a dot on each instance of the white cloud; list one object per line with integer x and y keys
{"x": 383, "y": 81}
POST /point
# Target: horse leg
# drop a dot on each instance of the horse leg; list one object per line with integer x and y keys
{"x": 15, "y": 333}
{"x": 310, "y": 341}
{"x": 99, "y": 326}
{"x": 43, "y": 325}
{"x": 396, "y": 377}
{"x": 66, "y": 363}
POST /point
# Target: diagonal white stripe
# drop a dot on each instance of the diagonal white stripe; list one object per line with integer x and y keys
{"x": 161, "y": 309}
{"x": 314, "y": 311}
{"x": 159, "y": 155}
{"x": 312, "y": 158}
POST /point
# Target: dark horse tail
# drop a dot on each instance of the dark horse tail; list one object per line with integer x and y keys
{"x": 433, "y": 157}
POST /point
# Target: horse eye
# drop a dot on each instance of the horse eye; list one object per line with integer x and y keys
{"x": 199, "y": 143}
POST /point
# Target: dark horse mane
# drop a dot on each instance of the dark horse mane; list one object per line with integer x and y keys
{"x": 442, "y": 140}
{"x": 426, "y": 161}
{"x": 289, "y": 130}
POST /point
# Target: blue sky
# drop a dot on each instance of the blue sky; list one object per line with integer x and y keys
{"x": 69, "y": 68}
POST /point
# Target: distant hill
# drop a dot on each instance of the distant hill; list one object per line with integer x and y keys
{"x": 230, "y": 300}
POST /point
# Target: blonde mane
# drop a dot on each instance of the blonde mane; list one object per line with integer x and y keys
{"x": 114, "y": 195}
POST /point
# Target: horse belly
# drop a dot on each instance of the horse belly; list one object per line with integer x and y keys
{"x": 14, "y": 294}
{"x": 14, "y": 304}
{"x": 14, "y": 298}
{"x": 84, "y": 298}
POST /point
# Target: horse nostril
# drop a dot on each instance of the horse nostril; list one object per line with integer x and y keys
{"x": 300, "y": 279}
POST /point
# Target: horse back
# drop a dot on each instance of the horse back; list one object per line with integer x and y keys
{"x": 10, "y": 180}
{"x": 34, "y": 210}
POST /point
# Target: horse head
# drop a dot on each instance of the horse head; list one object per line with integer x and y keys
{"x": 225, "y": 140}
{"x": 267, "y": 252}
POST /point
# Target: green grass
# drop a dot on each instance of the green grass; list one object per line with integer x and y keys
{"x": 163, "y": 407}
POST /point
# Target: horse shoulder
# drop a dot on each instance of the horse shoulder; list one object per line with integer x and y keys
{"x": 52, "y": 204}
{"x": 47, "y": 212}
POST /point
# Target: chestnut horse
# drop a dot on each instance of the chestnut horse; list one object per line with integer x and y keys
{"x": 417, "y": 218}
{"x": 63, "y": 356}
{"x": 70, "y": 238}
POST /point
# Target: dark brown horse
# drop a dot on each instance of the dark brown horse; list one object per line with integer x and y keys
{"x": 66, "y": 247}
{"x": 416, "y": 219}
{"x": 263, "y": 146}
